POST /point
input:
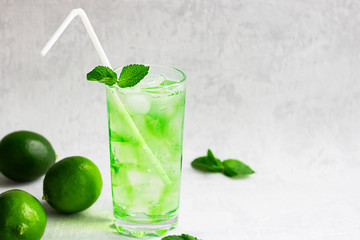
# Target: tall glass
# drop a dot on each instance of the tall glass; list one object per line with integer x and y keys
{"x": 146, "y": 135}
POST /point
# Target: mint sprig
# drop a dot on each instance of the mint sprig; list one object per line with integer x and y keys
{"x": 130, "y": 75}
{"x": 229, "y": 167}
{"x": 180, "y": 237}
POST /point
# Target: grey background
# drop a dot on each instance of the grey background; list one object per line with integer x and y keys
{"x": 273, "y": 83}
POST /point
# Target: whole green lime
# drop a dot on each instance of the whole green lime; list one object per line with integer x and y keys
{"x": 72, "y": 184}
{"x": 21, "y": 216}
{"x": 25, "y": 156}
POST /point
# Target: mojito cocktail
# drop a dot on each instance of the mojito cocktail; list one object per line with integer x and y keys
{"x": 145, "y": 135}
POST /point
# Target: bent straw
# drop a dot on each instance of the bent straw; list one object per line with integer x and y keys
{"x": 80, "y": 12}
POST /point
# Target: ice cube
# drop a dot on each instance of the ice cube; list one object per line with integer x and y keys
{"x": 168, "y": 199}
{"x": 165, "y": 107}
{"x": 146, "y": 187}
{"x": 137, "y": 103}
{"x": 152, "y": 81}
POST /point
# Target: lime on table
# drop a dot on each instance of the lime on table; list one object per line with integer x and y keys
{"x": 21, "y": 216}
{"x": 25, "y": 156}
{"x": 72, "y": 184}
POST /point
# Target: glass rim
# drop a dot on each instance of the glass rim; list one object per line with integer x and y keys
{"x": 164, "y": 66}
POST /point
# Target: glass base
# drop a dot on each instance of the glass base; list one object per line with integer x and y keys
{"x": 145, "y": 230}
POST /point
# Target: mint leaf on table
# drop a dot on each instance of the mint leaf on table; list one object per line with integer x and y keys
{"x": 233, "y": 168}
{"x": 132, "y": 74}
{"x": 129, "y": 76}
{"x": 229, "y": 167}
{"x": 102, "y": 74}
{"x": 180, "y": 237}
{"x": 206, "y": 165}
{"x": 214, "y": 160}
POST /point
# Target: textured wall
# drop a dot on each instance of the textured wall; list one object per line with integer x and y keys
{"x": 275, "y": 83}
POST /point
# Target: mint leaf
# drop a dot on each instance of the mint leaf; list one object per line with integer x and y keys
{"x": 206, "y": 165}
{"x": 102, "y": 74}
{"x": 233, "y": 167}
{"x": 180, "y": 237}
{"x": 214, "y": 160}
{"x": 132, "y": 74}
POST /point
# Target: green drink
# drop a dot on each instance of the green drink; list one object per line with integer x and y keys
{"x": 145, "y": 135}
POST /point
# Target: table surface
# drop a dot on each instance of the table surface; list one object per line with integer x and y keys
{"x": 272, "y": 83}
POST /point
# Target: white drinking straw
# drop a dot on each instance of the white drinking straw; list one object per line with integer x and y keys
{"x": 80, "y": 12}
